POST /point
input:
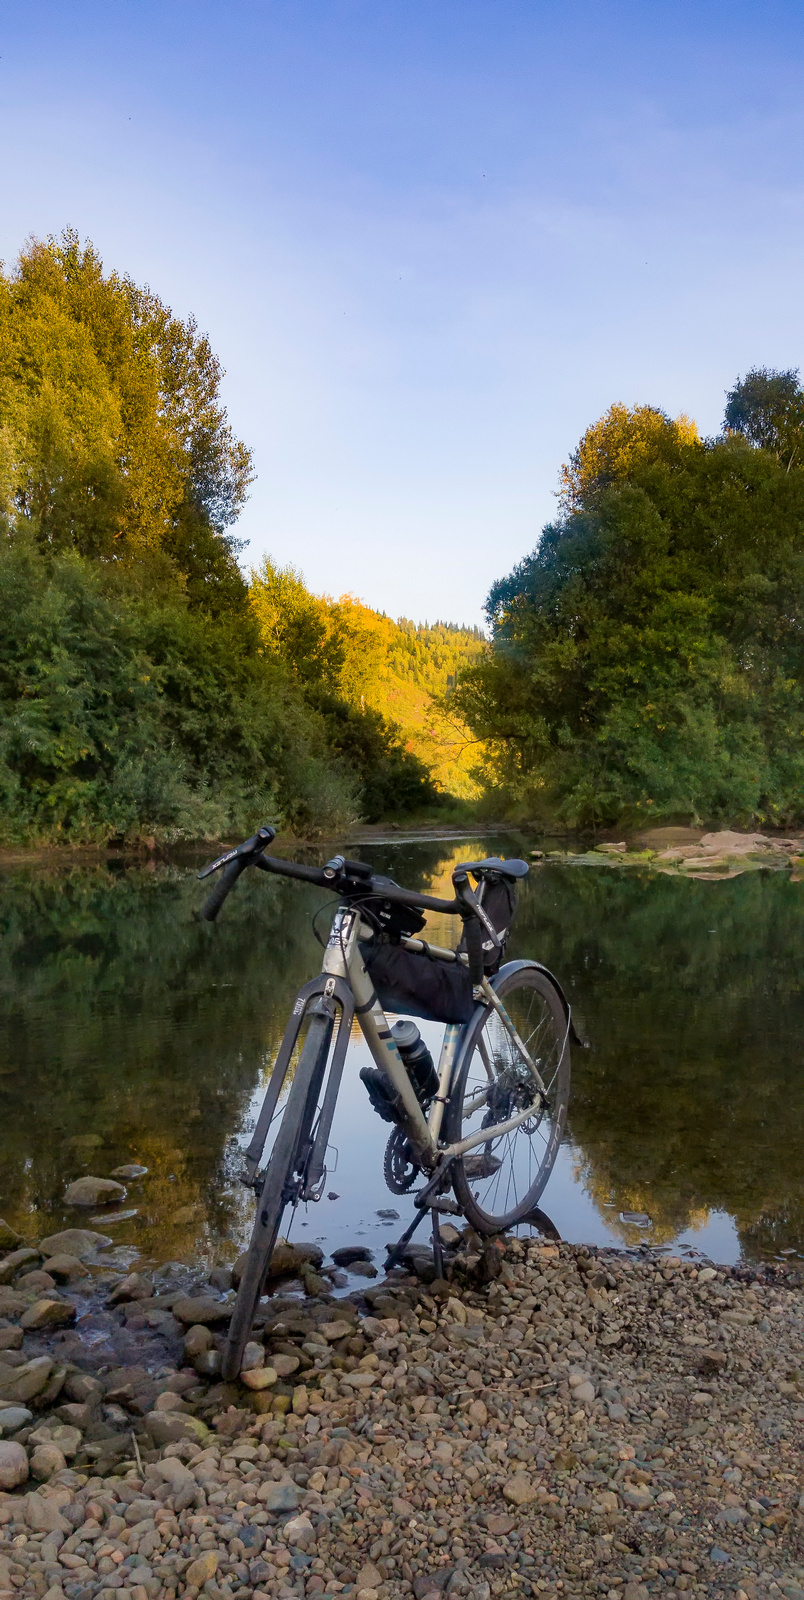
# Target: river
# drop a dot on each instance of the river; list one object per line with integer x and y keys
{"x": 132, "y": 1032}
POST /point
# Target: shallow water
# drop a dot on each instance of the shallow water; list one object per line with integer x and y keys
{"x": 133, "y": 1032}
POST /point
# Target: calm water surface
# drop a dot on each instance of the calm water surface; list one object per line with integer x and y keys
{"x": 132, "y": 1032}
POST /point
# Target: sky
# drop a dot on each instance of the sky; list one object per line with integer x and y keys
{"x": 431, "y": 240}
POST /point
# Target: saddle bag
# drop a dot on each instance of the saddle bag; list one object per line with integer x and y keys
{"x": 498, "y": 898}
{"x": 414, "y": 985}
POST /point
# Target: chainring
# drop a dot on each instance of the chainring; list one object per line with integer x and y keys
{"x": 399, "y": 1166}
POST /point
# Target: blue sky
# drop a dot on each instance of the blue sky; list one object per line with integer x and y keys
{"x": 431, "y": 240}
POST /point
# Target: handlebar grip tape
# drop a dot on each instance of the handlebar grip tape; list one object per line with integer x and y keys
{"x": 473, "y": 941}
{"x": 227, "y": 881}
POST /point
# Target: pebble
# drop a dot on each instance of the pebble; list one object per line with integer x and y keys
{"x": 581, "y": 1424}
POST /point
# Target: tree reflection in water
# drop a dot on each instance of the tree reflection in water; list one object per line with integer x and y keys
{"x": 133, "y": 1032}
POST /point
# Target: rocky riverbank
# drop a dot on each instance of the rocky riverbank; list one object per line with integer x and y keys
{"x": 577, "y": 1423}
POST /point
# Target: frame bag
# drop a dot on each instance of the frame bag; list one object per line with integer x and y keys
{"x": 416, "y": 985}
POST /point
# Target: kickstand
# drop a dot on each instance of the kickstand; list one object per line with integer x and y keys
{"x": 396, "y": 1251}
{"x": 438, "y": 1254}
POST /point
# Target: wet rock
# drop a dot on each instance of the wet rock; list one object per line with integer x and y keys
{"x": 290, "y": 1259}
{"x": 37, "y": 1281}
{"x": 130, "y": 1172}
{"x": 48, "y": 1313}
{"x": 201, "y": 1310}
{"x": 23, "y": 1383}
{"x": 10, "y": 1264}
{"x": 221, "y": 1279}
{"x": 94, "y": 1192}
{"x": 363, "y": 1269}
{"x": 9, "y": 1238}
{"x": 135, "y": 1287}
{"x": 13, "y": 1464}
{"x": 77, "y": 1242}
{"x": 350, "y": 1253}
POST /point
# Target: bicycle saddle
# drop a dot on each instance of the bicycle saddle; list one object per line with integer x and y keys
{"x": 506, "y": 869}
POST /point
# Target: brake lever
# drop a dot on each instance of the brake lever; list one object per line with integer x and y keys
{"x": 251, "y": 847}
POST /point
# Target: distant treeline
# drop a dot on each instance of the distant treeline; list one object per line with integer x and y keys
{"x": 648, "y": 657}
{"x": 141, "y": 693}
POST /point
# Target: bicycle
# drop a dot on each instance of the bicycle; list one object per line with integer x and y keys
{"x": 487, "y": 1122}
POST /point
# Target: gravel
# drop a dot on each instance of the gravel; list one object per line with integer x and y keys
{"x": 583, "y": 1424}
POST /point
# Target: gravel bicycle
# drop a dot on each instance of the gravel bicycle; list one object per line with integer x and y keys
{"x": 486, "y": 1122}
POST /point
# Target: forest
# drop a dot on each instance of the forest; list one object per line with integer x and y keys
{"x": 147, "y": 691}
{"x": 645, "y": 661}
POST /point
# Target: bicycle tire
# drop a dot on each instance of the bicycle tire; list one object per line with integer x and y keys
{"x": 536, "y": 1009}
{"x": 271, "y": 1205}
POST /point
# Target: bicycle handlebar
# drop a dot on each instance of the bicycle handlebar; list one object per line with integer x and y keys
{"x": 339, "y": 873}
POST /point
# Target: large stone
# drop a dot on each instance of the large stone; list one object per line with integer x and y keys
{"x": 66, "y": 1269}
{"x": 47, "y": 1459}
{"x": 165, "y": 1427}
{"x": 135, "y": 1287}
{"x": 12, "y": 1418}
{"x": 67, "y": 1438}
{"x": 197, "y": 1341}
{"x": 42, "y": 1514}
{"x": 13, "y": 1464}
{"x": 519, "y": 1489}
{"x": 10, "y": 1339}
{"x": 350, "y": 1253}
{"x": 130, "y": 1172}
{"x": 49, "y": 1313}
{"x": 299, "y": 1531}
{"x": 200, "y": 1571}
{"x": 284, "y": 1365}
{"x": 10, "y": 1264}
{"x": 94, "y": 1192}
{"x": 203, "y": 1310}
{"x": 333, "y": 1331}
{"x": 22, "y": 1383}
{"x": 78, "y": 1242}
{"x": 369, "y": 1577}
{"x": 292, "y": 1258}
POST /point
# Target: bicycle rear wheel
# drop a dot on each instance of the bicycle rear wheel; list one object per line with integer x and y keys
{"x": 289, "y": 1147}
{"x": 498, "y": 1183}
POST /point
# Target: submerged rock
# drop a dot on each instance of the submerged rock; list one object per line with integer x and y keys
{"x": 94, "y": 1192}
{"x": 77, "y": 1242}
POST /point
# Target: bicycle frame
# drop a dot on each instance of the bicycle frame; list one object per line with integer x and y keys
{"x": 343, "y": 960}
{"x": 345, "y": 984}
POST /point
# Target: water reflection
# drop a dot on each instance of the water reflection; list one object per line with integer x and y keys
{"x": 132, "y": 1032}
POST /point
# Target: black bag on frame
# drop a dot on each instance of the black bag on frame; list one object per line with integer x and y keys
{"x": 415, "y": 985}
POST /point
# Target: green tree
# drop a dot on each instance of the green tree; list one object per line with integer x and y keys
{"x": 647, "y": 656}
{"x": 113, "y": 438}
{"x": 767, "y": 408}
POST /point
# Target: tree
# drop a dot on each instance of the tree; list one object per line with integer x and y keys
{"x": 648, "y": 659}
{"x": 616, "y": 445}
{"x": 767, "y": 408}
{"x": 113, "y": 438}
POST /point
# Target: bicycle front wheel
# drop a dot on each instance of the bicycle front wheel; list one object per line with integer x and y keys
{"x": 498, "y": 1183}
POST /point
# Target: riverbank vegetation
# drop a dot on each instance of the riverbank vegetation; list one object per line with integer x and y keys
{"x": 648, "y": 656}
{"x": 141, "y": 692}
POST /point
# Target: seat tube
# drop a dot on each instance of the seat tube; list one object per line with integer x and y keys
{"x": 449, "y": 1050}
{"x": 377, "y": 1034}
